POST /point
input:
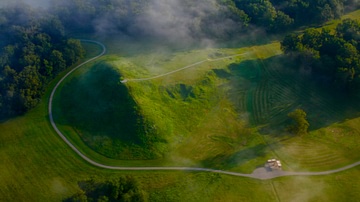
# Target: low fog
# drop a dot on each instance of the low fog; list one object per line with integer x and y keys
{"x": 183, "y": 22}
{"x": 172, "y": 21}
{"x": 201, "y": 22}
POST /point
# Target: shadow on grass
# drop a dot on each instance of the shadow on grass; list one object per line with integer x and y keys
{"x": 6, "y": 118}
{"x": 233, "y": 160}
{"x": 100, "y": 109}
{"x": 124, "y": 188}
{"x": 269, "y": 89}
{"x": 97, "y": 103}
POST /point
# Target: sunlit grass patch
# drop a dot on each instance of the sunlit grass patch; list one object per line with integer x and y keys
{"x": 158, "y": 63}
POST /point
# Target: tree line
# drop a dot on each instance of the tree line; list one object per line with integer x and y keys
{"x": 332, "y": 57}
{"x": 272, "y": 15}
{"x": 33, "y": 50}
{"x": 124, "y": 189}
{"x": 277, "y": 15}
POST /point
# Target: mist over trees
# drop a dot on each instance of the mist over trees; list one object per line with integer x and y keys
{"x": 221, "y": 19}
{"x": 189, "y": 21}
{"x": 33, "y": 51}
{"x": 166, "y": 19}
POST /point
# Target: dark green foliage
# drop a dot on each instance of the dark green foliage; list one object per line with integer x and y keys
{"x": 114, "y": 16}
{"x": 261, "y": 13}
{"x": 349, "y": 30}
{"x": 272, "y": 15}
{"x": 300, "y": 125}
{"x": 282, "y": 22}
{"x": 33, "y": 51}
{"x": 333, "y": 57}
{"x": 83, "y": 15}
{"x": 124, "y": 189}
{"x": 278, "y": 15}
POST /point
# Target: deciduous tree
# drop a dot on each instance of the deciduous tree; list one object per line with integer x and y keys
{"x": 300, "y": 125}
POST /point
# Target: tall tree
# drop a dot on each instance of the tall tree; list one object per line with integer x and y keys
{"x": 300, "y": 125}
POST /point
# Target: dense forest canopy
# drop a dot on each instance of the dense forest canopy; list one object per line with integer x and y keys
{"x": 331, "y": 57}
{"x": 203, "y": 18}
{"x": 33, "y": 50}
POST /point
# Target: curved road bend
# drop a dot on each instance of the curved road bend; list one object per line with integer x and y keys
{"x": 259, "y": 173}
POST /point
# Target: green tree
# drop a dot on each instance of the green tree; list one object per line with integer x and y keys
{"x": 282, "y": 22}
{"x": 125, "y": 189}
{"x": 348, "y": 61}
{"x": 261, "y": 13}
{"x": 80, "y": 197}
{"x": 349, "y": 30}
{"x": 300, "y": 125}
{"x": 291, "y": 43}
{"x": 311, "y": 39}
{"x": 57, "y": 61}
{"x": 73, "y": 51}
{"x": 326, "y": 13}
{"x": 103, "y": 199}
{"x": 33, "y": 50}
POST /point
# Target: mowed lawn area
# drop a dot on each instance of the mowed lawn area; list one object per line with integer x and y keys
{"x": 36, "y": 165}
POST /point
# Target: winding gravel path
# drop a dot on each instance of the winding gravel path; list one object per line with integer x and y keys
{"x": 183, "y": 68}
{"x": 260, "y": 173}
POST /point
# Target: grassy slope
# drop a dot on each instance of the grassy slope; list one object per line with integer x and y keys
{"x": 206, "y": 137}
{"x": 269, "y": 90}
{"x": 334, "y": 140}
{"x": 189, "y": 108}
{"x": 177, "y": 127}
{"x": 36, "y": 165}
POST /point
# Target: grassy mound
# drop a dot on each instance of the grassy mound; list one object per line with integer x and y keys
{"x": 205, "y": 118}
{"x": 207, "y": 115}
{"x": 191, "y": 108}
{"x": 100, "y": 109}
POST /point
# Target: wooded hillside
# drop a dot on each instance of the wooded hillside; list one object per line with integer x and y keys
{"x": 33, "y": 50}
{"x": 331, "y": 57}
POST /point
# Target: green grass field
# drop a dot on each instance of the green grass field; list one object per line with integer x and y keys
{"x": 215, "y": 115}
{"x": 228, "y": 114}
